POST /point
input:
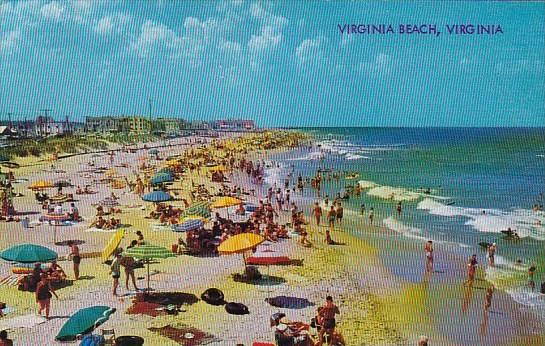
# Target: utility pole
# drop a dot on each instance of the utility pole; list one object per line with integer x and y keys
{"x": 149, "y": 100}
{"x": 9, "y": 120}
{"x": 46, "y": 111}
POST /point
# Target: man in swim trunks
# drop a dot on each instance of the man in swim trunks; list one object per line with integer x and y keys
{"x": 339, "y": 213}
{"x": 76, "y": 258}
{"x": 331, "y": 217}
{"x": 491, "y": 253}
{"x": 115, "y": 271}
{"x": 327, "y": 319}
{"x": 317, "y": 213}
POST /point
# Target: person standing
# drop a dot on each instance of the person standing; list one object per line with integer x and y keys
{"x": 331, "y": 217}
{"x": 129, "y": 264}
{"x": 428, "y": 249}
{"x": 327, "y": 319}
{"x": 317, "y": 213}
{"x": 488, "y": 298}
{"x": 491, "y": 253}
{"x": 76, "y": 258}
{"x": 371, "y": 216}
{"x": 471, "y": 268}
{"x": 115, "y": 271}
{"x": 340, "y": 213}
{"x": 44, "y": 292}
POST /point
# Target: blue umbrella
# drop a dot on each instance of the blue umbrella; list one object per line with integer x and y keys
{"x": 28, "y": 253}
{"x": 84, "y": 321}
{"x": 160, "y": 178}
{"x": 189, "y": 225}
{"x": 157, "y": 196}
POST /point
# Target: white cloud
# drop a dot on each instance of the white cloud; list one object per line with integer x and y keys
{"x": 53, "y": 11}
{"x": 267, "y": 39}
{"x": 268, "y": 19}
{"x": 114, "y": 23}
{"x": 310, "y": 50}
{"x": 9, "y": 41}
{"x": 230, "y": 47}
{"x": 382, "y": 65}
{"x": 201, "y": 30}
{"x": 153, "y": 34}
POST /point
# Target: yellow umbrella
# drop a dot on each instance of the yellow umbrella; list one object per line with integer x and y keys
{"x": 114, "y": 242}
{"x": 224, "y": 202}
{"x": 240, "y": 243}
{"x": 42, "y": 184}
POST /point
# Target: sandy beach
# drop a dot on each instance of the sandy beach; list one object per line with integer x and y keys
{"x": 377, "y": 307}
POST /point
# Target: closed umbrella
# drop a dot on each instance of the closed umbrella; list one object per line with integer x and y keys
{"x": 157, "y": 197}
{"x": 147, "y": 253}
{"x": 28, "y": 253}
{"x": 84, "y": 321}
{"x": 188, "y": 225}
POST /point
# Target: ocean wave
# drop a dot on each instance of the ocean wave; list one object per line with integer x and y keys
{"x": 275, "y": 174}
{"x": 526, "y": 223}
{"x": 355, "y": 157}
{"x": 540, "y": 155}
{"x": 316, "y": 155}
{"x": 414, "y": 233}
{"x": 393, "y": 193}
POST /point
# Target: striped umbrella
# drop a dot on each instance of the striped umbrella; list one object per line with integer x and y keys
{"x": 197, "y": 209}
{"x": 188, "y": 225}
{"x": 147, "y": 253}
{"x": 56, "y": 218}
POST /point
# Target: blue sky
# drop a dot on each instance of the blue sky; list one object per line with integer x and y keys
{"x": 280, "y": 63}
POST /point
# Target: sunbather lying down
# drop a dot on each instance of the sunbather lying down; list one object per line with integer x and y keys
{"x": 101, "y": 223}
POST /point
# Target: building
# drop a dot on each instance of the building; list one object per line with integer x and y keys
{"x": 136, "y": 124}
{"x": 167, "y": 125}
{"x": 234, "y": 125}
{"x": 47, "y": 126}
{"x": 116, "y": 124}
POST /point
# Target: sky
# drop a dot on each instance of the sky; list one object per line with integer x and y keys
{"x": 279, "y": 63}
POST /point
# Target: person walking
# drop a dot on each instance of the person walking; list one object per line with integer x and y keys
{"x": 317, "y": 213}
{"x": 44, "y": 293}
{"x": 327, "y": 315}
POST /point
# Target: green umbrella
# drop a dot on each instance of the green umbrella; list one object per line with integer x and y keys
{"x": 201, "y": 209}
{"x": 84, "y": 321}
{"x": 28, "y": 253}
{"x": 147, "y": 253}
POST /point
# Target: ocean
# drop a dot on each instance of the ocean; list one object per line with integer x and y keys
{"x": 458, "y": 187}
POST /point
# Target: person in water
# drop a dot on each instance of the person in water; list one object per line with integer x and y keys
{"x": 371, "y": 216}
{"x": 531, "y": 271}
{"x": 491, "y": 253}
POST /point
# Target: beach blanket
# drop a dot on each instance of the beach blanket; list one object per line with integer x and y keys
{"x": 160, "y": 227}
{"x": 10, "y": 280}
{"x": 25, "y": 321}
{"x": 185, "y": 335}
{"x": 94, "y": 229}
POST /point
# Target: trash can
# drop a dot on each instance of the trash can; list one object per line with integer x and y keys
{"x": 129, "y": 340}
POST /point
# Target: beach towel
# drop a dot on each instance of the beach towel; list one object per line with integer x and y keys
{"x": 186, "y": 336}
{"x": 94, "y": 229}
{"x": 25, "y": 321}
{"x": 9, "y": 280}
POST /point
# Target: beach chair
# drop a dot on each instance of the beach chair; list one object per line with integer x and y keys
{"x": 109, "y": 336}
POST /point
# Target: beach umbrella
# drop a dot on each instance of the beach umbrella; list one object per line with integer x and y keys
{"x": 225, "y": 202}
{"x": 197, "y": 209}
{"x": 157, "y": 197}
{"x": 160, "y": 178}
{"x": 147, "y": 253}
{"x": 166, "y": 170}
{"x": 240, "y": 243}
{"x": 112, "y": 245}
{"x": 40, "y": 185}
{"x": 188, "y": 225}
{"x": 28, "y": 253}
{"x": 56, "y": 219}
{"x": 84, "y": 321}
{"x": 4, "y": 158}
{"x": 153, "y": 151}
